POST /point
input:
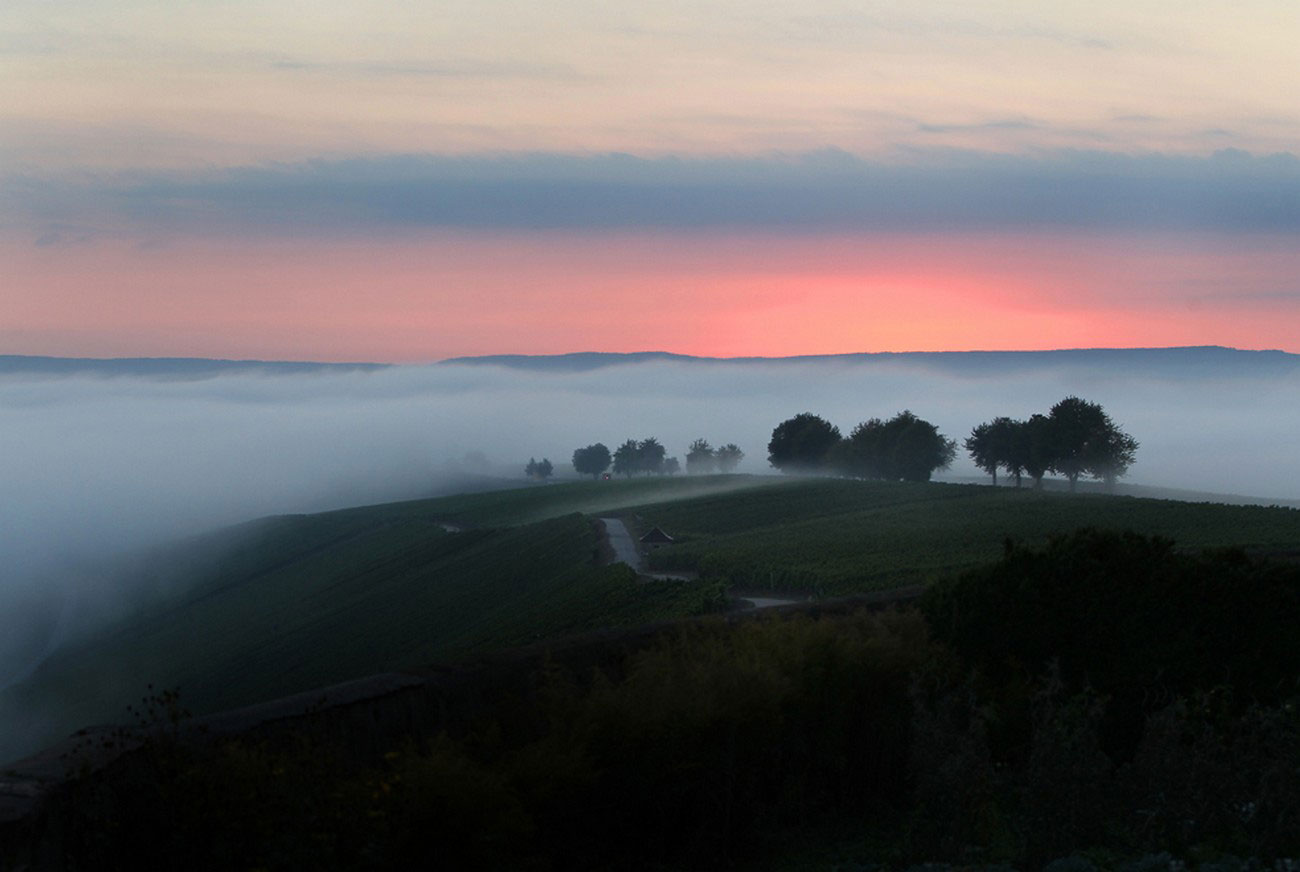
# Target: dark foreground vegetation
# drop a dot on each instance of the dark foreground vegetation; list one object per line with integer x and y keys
{"x": 1103, "y": 702}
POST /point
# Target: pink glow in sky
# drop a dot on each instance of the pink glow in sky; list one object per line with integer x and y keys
{"x": 447, "y": 295}
{"x": 412, "y": 181}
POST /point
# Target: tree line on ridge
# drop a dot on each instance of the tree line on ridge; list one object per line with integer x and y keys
{"x": 643, "y": 457}
{"x": 1075, "y": 438}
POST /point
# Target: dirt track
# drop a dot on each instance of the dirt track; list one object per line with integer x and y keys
{"x": 626, "y": 551}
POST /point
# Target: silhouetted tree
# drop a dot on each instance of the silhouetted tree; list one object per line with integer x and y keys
{"x": 672, "y": 466}
{"x": 802, "y": 443}
{"x": 841, "y": 460}
{"x": 1084, "y": 440}
{"x": 1112, "y": 455}
{"x": 864, "y": 453}
{"x": 540, "y": 470}
{"x": 1074, "y": 423}
{"x": 1015, "y": 448}
{"x": 905, "y": 447}
{"x": 992, "y": 445}
{"x": 729, "y": 457}
{"x": 627, "y": 459}
{"x": 592, "y": 460}
{"x": 1032, "y": 449}
{"x": 646, "y": 456}
{"x": 650, "y": 456}
{"x": 701, "y": 458}
{"x": 917, "y": 448}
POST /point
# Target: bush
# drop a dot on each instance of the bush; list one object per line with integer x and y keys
{"x": 1129, "y": 617}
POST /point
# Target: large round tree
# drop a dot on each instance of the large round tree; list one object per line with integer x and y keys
{"x": 1084, "y": 440}
{"x": 802, "y": 443}
{"x": 917, "y": 448}
{"x": 592, "y": 460}
{"x": 905, "y": 447}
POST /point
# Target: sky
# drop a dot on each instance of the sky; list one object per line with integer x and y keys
{"x": 408, "y": 181}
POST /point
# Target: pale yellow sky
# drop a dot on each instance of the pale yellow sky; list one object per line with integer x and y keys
{"x": 92, "y": 83}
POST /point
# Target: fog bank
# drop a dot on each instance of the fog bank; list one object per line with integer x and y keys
{"x": 94, "y": 466}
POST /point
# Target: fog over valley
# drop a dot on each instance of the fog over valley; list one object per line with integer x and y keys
{"x": 94, "y": 467}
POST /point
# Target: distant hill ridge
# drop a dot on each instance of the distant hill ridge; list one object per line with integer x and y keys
{"x": 182, "y": 368}
{"x": 1200, "y": 360}
{"x": 1197, "y": 360}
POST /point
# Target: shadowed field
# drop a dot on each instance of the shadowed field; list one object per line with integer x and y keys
{"x": 291, "y": 603}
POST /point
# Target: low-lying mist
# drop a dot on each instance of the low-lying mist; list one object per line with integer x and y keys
{"x": 95, "y": 467}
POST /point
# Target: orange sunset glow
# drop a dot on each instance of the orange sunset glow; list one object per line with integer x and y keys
{"x": 424, "y": 298}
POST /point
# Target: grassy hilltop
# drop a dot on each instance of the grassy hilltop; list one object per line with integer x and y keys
{"x": 835, "y": 536}
{"x": 292, "y": 603}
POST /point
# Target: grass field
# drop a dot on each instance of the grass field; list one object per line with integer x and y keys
{"x": 833, "y": 536}
{"x": 288, "y": 604}
{"x": 302, "y": 602}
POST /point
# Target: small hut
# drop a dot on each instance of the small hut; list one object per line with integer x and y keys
{"x": 656, "y": 537}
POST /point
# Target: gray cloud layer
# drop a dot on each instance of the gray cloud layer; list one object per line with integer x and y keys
{"x": 1230, "y": 191}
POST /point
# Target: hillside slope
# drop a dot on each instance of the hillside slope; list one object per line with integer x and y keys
{"x": 293, "y": 603}
{"x": 307, "y": 601}
{"x": 834, "y": 536}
